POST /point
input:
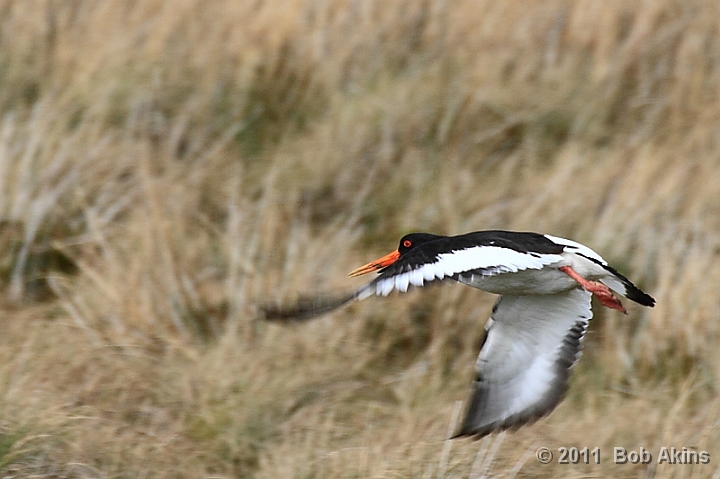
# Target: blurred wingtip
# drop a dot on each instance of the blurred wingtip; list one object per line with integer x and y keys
{"x": 306, "y": 307}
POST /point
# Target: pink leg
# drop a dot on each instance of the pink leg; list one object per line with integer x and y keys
{"x": 601, "y": 292}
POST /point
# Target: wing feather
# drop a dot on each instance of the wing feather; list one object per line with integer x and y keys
{"x": 416, "y": 270}
{"x": 523, "y": 368}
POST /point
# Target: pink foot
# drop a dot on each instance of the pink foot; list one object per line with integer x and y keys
{"x": 601, "y": 292}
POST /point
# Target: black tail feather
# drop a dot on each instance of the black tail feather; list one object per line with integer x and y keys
{"x": 632, "y": 292}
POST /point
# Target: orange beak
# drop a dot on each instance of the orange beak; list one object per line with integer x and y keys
{"x": 386, "y": 260}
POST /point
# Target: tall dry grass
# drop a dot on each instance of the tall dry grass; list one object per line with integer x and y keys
{"x": 165, "y": 167}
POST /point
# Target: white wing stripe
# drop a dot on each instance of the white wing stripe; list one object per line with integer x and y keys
{"x": 416, "y": 277}
{"x": 402, "y": 281}
{"x": 385, "y": 286}
{"x": 427, "y": 273}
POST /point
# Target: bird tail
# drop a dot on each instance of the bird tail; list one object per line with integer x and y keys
{"x": 623, "y": 286}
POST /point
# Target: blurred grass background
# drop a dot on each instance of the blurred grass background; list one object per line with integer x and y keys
{"x": 166, "y": 167}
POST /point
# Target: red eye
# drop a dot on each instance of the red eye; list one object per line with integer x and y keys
{"x": 407, "y": 243}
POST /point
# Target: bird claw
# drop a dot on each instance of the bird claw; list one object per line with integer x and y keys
{"x": 607, "y": 299}
{"x": 599, "y": 290}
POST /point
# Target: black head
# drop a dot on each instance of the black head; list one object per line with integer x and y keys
{"x": 407, "y": 243}
{"x": 413, "y": 240}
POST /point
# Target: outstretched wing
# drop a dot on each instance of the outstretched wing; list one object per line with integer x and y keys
{"x": 307, "y": 307}
{"x": 522, "y": 371}
{"x": 419, "y": 267}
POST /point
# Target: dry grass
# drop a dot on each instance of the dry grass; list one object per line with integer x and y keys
{"x": 167, "y": 166}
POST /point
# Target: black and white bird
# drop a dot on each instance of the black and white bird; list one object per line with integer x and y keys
{"x": 534, "y": 334}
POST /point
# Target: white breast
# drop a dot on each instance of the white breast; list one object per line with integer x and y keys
{"x": 548, "y": 280}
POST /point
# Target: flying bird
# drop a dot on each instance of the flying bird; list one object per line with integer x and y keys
{"x": 534, "y": 335}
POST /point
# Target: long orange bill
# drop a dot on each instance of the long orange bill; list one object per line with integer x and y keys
{"x": 386, "y": 260}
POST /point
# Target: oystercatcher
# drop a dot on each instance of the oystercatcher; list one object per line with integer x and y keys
{"x": 534, "y": 334}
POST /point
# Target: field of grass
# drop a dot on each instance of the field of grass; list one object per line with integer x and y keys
{"x": 166, "y": 168}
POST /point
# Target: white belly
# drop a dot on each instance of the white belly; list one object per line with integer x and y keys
{"x": 548, "y": 280}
